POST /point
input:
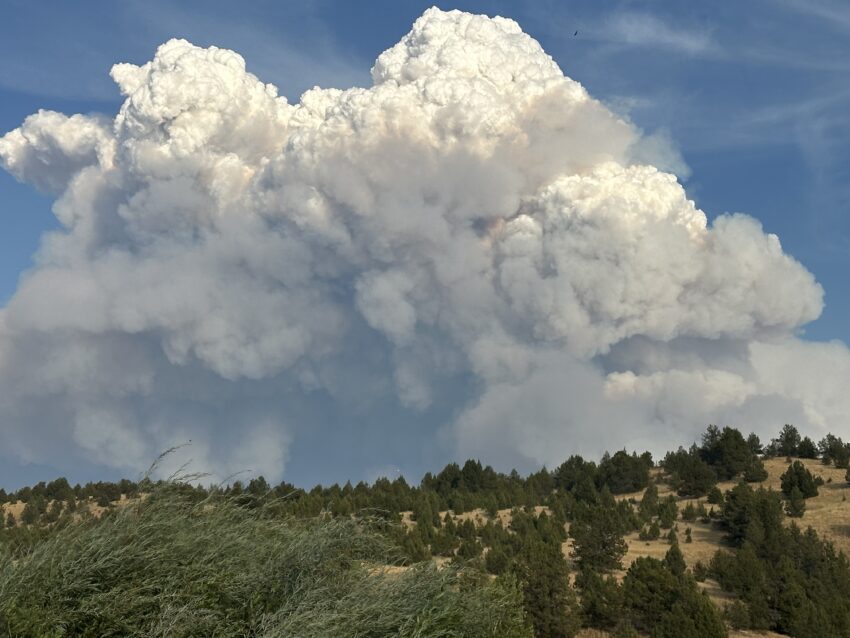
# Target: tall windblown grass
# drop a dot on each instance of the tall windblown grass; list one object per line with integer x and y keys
{"x": 172, "y": 566}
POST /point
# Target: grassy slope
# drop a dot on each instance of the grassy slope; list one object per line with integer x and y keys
{"x": 828, "y": 513}
{"x": 168, "y": 567}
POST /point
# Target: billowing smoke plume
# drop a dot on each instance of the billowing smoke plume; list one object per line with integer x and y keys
{"x": 473, "y": 244}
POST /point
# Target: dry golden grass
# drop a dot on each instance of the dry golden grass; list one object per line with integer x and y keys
{"x": 596, "y": 633}
{"x": 828, "y": 513}
{"x": 478, "y": 516}
{"x": 89, "y": 505}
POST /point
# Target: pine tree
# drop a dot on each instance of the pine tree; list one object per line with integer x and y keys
{"x": 755, "y": 472}
{"x": 807, "y": 449}
{"x": 649, "y": 502}
{"x": 598, "y": 539}
{"x": 649, "y": 591}
{"x": 797, "y": 475}
{"x": 422, "y": 512}
{"x": 496, "y": 561}
{"x": 549, "y": 600}
{"x": 414, "y": 547}
{"x": 674, "y": 560}
{"x": 788, "y": 440}
{"x": 53, "y": 512}
{"x": 667, "y": 605}
{"x": 668, "y": 512}
{"x": 738, "y": 615}
{"x": 715, "y": 496}
{"x": 31, "y": 511}
{"x": 601, "y": 599}
{"x": 469, "y": 549}
{"x": 654, "y": 532}
{"x": 694, "y": 616}
{"x": 754, "y": 443}
{"x": 796, "y": 505}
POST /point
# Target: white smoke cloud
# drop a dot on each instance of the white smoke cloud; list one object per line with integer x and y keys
{"x": 472, "y": 236}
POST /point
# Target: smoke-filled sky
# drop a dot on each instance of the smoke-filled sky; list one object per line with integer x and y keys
{"x": 467, "y": 242}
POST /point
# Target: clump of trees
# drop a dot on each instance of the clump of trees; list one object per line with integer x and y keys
{"x": 722, "y": 455}
{"x": 619, "y": 473}
{"x": 789, "y": 443}
{"x": 799, "y": 478}
{"x": 833, "y": 450}
{"x": 788, "y": 580}
{"x": 659, "y": 597}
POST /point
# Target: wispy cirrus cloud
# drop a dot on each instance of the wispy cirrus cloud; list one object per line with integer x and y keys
{"x": 836, "y": 15}
{"x": 647, "y": 30}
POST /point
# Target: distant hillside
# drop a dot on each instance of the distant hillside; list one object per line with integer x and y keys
{"x": 727, "y": 537}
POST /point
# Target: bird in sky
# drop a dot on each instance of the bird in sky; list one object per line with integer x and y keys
{"x": 575, "y": 34}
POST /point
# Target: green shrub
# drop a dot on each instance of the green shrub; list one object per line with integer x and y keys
{"x": 674, "y": 561}
{"x": 807, "y": 449}
{"x": 715, "y": 496}
{"x": 737, "y": 615}
{"x": 798, "y": 476}
{"x": 796, "y": 505}
{"x": 755, "y": 472}
{"x": 700, "y": 571}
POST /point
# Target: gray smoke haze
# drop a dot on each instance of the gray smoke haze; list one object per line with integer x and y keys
{"x": 471, "y": 252}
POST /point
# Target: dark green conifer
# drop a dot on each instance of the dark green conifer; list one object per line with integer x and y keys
{"x": 798, "y": 476}
{"x": 674, "y": 560}
{"x": 549, "y": 599}
{"x": 796, "y": 505}
{"x": 598, "y": 539}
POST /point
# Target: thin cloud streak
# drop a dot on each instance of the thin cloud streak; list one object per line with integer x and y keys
{"x": 648, "y": 30}
{"x": 835, "y": 16}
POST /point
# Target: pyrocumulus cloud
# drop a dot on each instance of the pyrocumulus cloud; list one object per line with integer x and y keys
{"x": 473, "y": 237}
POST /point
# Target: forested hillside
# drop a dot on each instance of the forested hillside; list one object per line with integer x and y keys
{"x": 724, "y": 536}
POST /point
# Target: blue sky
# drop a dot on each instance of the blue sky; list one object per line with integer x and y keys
{"x": 754, "y": 95}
